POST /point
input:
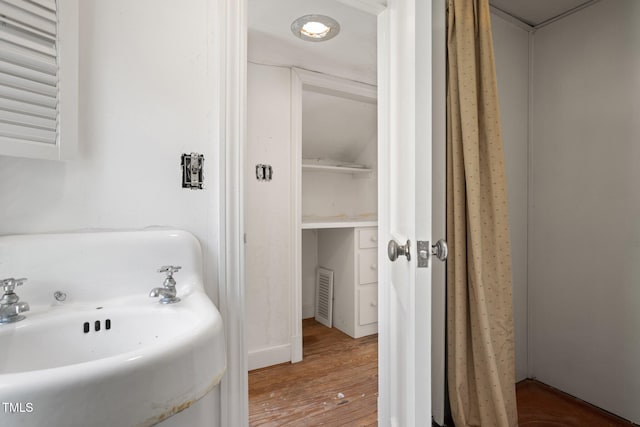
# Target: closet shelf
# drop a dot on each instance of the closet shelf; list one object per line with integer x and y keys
{"x": 339, "y": 169}
{"x": 338, "y": 222}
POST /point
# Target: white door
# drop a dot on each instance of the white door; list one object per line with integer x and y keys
{"x": 408, "y": 107}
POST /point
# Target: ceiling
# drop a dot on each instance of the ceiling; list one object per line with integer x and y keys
{"x": 535, "y": 12}
{"x": 352, "y": 54}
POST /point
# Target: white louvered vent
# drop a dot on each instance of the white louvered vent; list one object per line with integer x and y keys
{"x": 324, "y": 296}
{"x": 28, "y": 71}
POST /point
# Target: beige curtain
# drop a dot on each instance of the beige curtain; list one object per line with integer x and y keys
{"x": 481, "y": 359}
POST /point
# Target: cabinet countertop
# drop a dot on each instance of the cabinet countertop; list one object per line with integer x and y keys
{"x": 338, "y": 223}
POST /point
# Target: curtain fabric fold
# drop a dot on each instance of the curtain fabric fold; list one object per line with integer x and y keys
{"x": 480, "y": 341}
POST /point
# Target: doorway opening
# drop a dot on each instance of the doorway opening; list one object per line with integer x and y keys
{"x": 311, "y": 207}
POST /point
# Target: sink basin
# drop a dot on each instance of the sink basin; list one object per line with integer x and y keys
{"x": 108, "y": 355}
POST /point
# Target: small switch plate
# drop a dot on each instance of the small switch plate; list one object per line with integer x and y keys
{"x": 192, "y": 175}
{"x": 264, "y": 172}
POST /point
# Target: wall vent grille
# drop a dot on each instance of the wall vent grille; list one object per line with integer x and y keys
{"x": 324, "y": 296}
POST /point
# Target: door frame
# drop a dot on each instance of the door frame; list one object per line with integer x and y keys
{"x": 230, "y": 44}
{"x": 231, "y": 50}
{"x": 300, "y": 79}
{"x": 438, "y": 210}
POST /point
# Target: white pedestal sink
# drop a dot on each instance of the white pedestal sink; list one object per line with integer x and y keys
{"x": 108, "y": 355}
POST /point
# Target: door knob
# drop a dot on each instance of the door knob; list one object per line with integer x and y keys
{"x": 394, "y": 250}
{"x": 440, "y": 250}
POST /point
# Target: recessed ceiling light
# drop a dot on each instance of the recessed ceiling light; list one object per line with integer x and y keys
{"x": 315, "y": 28}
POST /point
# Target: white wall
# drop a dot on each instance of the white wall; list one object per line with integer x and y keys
{"x": 269, "y": 222}
{"x": 511, "y": 47}
{"x": 585, "y": 215}
{"x": 146, "y": 96}
{"x": 309, "y": 267}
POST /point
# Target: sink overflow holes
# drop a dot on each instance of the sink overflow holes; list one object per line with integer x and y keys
{"x": 96, "y": 326}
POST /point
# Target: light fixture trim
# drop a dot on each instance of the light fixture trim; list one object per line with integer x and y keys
{"x": 315, "y": 28}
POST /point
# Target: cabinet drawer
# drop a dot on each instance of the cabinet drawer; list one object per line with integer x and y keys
{"x": 368, "y": 305}
{"x": 367, "y": 266}
{"x": 368, "y": 238}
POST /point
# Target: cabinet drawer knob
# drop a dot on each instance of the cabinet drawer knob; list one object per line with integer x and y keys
{"x": 374, "y": 266}
{"x": 374, "y": 239}
{"x": 373, "y": 304}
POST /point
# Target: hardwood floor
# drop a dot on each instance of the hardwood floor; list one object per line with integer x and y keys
{"x": 542, "y": 406}
{"x": 336, "y": 384}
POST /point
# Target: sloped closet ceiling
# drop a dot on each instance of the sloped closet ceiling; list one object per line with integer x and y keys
{"x": 336, "y": 128}
{"x": 535, "y": 12}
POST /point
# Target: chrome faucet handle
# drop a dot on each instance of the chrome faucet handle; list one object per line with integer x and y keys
{"x": 168, "y": 291}
{"x": 9, "y": 285}
{"x": 169, "y": 269}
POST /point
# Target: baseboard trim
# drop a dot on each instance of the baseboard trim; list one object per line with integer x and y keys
{"x": 269, "y": 356}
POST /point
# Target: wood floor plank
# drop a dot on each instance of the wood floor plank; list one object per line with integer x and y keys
{"x": 540, "y": 405}
{"x": 336, "y": 384}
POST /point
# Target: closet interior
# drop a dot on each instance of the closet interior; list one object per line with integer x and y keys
{"x": 338, "y": 206}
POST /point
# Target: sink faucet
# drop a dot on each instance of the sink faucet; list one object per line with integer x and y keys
{"x": 10, "y": 307}
{"x": 168, "y": 291}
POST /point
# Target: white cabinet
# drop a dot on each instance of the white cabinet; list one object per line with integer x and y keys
{"x": 367, "y": 266}
{"x": 352, "y": 255}
{"x": 368, "y": 305}
{"x": 368, "y": 238}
